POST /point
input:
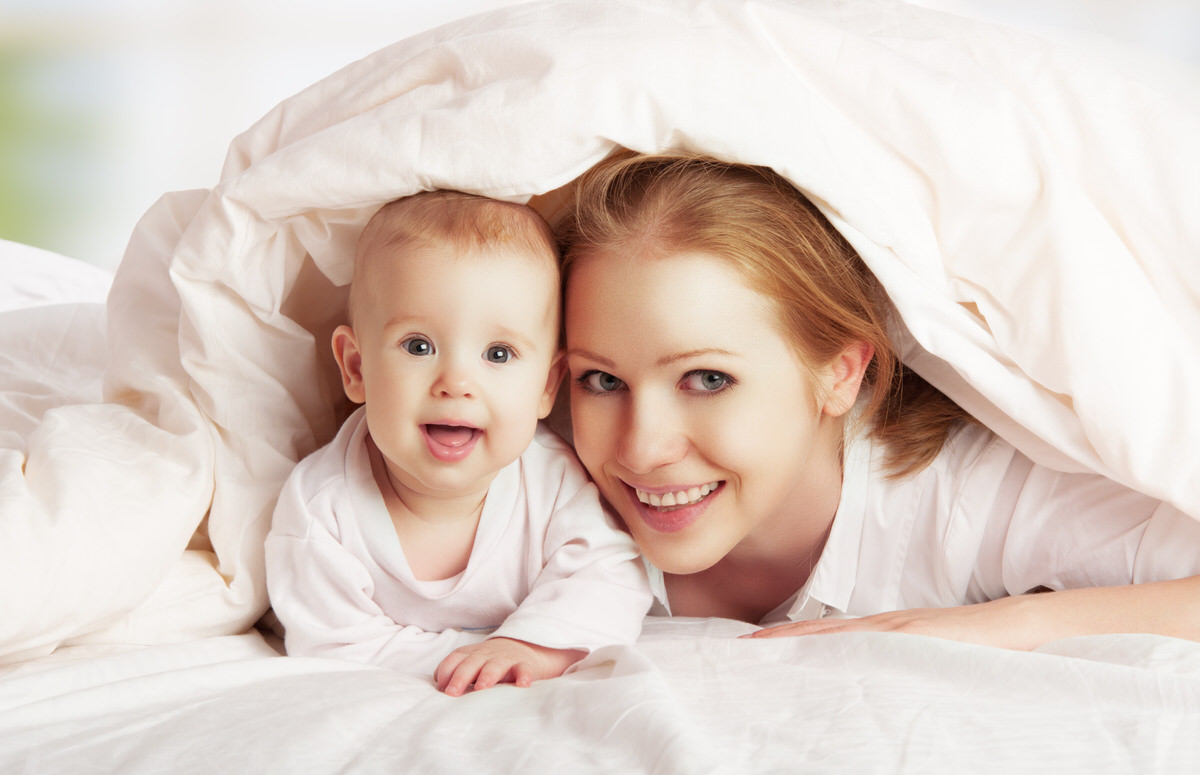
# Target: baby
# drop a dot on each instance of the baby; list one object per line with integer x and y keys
{"x": 444, "y": 530}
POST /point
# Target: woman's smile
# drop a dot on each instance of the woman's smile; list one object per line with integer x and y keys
{"x": 673, "y": 509}
{"x": 674, "y": 498}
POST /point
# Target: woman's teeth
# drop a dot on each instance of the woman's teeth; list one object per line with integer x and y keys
{"x": 682, "y": 498}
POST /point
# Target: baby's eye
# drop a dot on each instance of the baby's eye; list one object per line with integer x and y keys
{"x": 498, "y": 353}
{"x": 417, "y": 346}
{"x": 599, "y": 382}
{"x": 706, "y": 381}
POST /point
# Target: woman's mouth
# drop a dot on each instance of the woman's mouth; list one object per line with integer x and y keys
{"x": 672, "y": 510}
{"x": 668, "y": 500}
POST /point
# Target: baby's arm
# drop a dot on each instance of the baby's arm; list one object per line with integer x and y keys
{"x": 587, "y": 588}
{"x": 591, "y": 589}
{"x": 501, "y": 660}
{"x": 322, "y": 593}
{"x": 326, "y": 611}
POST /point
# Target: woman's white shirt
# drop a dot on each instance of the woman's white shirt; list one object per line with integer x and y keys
{"x": 981, "y": 522}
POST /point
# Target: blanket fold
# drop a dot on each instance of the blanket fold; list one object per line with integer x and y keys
{"x": 1030, "y": 211}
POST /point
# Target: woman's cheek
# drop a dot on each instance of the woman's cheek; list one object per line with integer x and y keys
{"x": 590, "y": 432}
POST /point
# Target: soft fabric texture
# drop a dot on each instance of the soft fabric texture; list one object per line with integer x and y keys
{"x": 1030, "y": 212}
{"x": 547, "y": 566}
{"x": 689, "y": 699}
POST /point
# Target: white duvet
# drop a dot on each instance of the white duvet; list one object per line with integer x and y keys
{"x": 1032, "y": 213}
{"x": 689, "y": 699}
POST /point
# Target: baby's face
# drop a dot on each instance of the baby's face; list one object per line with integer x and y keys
{"x": 457, "y": 354}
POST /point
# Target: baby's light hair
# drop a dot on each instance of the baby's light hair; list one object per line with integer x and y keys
{"x": 465, "y": 222}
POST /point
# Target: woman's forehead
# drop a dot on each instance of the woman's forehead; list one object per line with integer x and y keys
{"x": 687, "y": 296}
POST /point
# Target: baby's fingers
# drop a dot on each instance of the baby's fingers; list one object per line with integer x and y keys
{"x": 522, "y": 674}
{"x": 494, "y": 671}
{"x": 456, "y": 673}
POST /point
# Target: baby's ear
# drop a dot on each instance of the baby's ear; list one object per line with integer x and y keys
{"x": 349, "y": 360}
{"x": 845, "y": 376}
{"x": 558, "y": 369}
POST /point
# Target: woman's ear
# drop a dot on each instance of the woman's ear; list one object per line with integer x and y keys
{"x": 558, "y": 368}
{"x": 846, "y": 373}
{"x": 349, "y": 360}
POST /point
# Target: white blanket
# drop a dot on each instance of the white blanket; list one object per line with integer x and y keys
{"x": 1031, "y": 213}
{"x": 688, "y": 699}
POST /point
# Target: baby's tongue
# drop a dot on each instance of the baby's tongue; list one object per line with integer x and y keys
{"x": 450, "y": 435}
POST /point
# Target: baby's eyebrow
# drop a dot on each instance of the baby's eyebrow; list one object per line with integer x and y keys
{"x": 399, "y": 321}
{"x": 518, "y": 338}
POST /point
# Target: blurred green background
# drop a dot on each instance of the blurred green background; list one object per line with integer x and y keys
{"x": 53, "y": 138}
{"x": 107, "y": 104}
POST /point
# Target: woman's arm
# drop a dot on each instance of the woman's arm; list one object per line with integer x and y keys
{"x": 1027, "y": 621}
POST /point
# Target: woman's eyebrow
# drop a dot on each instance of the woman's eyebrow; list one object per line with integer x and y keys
{"x": 683, "y": 356}
{"x": 666, "y": 360}
{"x": 591, "y": 356}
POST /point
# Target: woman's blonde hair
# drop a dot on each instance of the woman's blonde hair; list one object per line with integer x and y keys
{"x": 824, "y": 296}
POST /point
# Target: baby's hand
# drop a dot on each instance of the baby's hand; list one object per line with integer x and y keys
{"x": 501, "y": 660}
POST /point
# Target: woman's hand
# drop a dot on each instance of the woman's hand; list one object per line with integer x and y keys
{"x": 998, "y": 623}
{"x": 501, "y": 660}
{"x": 1028, "y": 621}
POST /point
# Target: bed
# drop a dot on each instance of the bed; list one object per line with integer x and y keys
{"x": 1029, "y": 208}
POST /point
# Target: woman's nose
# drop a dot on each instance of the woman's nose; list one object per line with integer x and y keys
{"x": 649, "y": 439}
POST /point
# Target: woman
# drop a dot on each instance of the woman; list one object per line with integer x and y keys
{"x": 737, "y": 399}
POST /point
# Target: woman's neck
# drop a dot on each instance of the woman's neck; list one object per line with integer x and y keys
{"x": 768, "y": 566}
{"x": 774, "y": 560}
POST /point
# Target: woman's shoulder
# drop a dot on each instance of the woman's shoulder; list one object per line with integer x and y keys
{"x": 972, "y": 444}
{"x": 974, "y": 461}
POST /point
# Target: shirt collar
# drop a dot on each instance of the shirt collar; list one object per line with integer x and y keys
{"x": 831, "y": 582}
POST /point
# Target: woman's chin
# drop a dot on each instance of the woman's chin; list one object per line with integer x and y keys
{"x": 678, "y": 561}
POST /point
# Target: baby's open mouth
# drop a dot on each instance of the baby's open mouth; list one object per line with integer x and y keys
{"x": 451, "y": 435}
{"x": 450, "y": 443}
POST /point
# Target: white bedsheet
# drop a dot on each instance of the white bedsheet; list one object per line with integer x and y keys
{"x": 1031, "y": 212}
{"x": 686, "y": 699}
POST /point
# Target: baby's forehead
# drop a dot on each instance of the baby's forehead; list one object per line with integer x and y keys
{"x": 463, "y": 220}
{"x": 457, "y": 229}
{"x": 431, "y": 253}
{"x": 508, "y": 275}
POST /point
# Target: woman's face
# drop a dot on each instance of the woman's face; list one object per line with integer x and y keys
{"x": 694, "y": 414}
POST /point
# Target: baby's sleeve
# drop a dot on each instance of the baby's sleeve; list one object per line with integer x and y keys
{"x": 592, "y": 589}
{"x": 322, "y": 593}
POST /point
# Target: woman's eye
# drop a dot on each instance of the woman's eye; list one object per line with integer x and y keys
{"x": 599, "y": 382}
{"x": 417, "y": 346}
{"x": 706, "y": 381}
{"x": 498, "y": 353}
